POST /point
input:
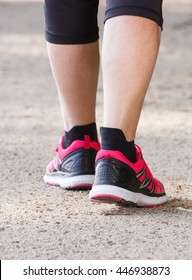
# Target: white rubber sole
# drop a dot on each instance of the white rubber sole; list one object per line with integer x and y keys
{"x": 77, "y": 182}
{"x": 113, "y": 194}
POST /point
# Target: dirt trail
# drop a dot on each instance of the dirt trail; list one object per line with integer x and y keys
{"x": 42, "y": 222}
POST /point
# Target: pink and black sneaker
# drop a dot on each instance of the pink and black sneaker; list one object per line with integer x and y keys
{"x": 73, "y": 167}
{"x": 118, "y": 180}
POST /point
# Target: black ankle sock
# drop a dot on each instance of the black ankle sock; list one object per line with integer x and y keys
{"x": 78, "y": 133}
{"x": 114, "y": 139}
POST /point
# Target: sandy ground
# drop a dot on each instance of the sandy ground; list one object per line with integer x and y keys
{"x": 42, "y": 222}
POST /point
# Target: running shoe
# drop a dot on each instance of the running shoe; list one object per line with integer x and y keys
{"x": 118, "y": 180}
{"x": 73, "y": 167}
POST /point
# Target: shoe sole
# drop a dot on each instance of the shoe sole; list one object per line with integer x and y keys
{"x": 81, "y": 182}
{"x": 115, "y": 194}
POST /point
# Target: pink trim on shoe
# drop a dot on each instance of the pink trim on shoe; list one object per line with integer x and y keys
{"x": 81, "y": 187}
{"x": 106, "y": 197}
{"x": 159, "y": 186}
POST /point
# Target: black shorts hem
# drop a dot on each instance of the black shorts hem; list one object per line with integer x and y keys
{"x": 134, "y": 11}
{"x": 71, "y": 40}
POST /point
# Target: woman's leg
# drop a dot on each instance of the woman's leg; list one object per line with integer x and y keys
{"x": 130, "y": 48}
{"x": 72, "y": 42}
{"x": 75, "y": 69}
{"x": 128, "y": 64}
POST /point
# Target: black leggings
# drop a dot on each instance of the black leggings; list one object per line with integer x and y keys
{"x": 75, "y": 21}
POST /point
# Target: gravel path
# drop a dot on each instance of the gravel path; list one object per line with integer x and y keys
{"x": 42, "y": 222}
